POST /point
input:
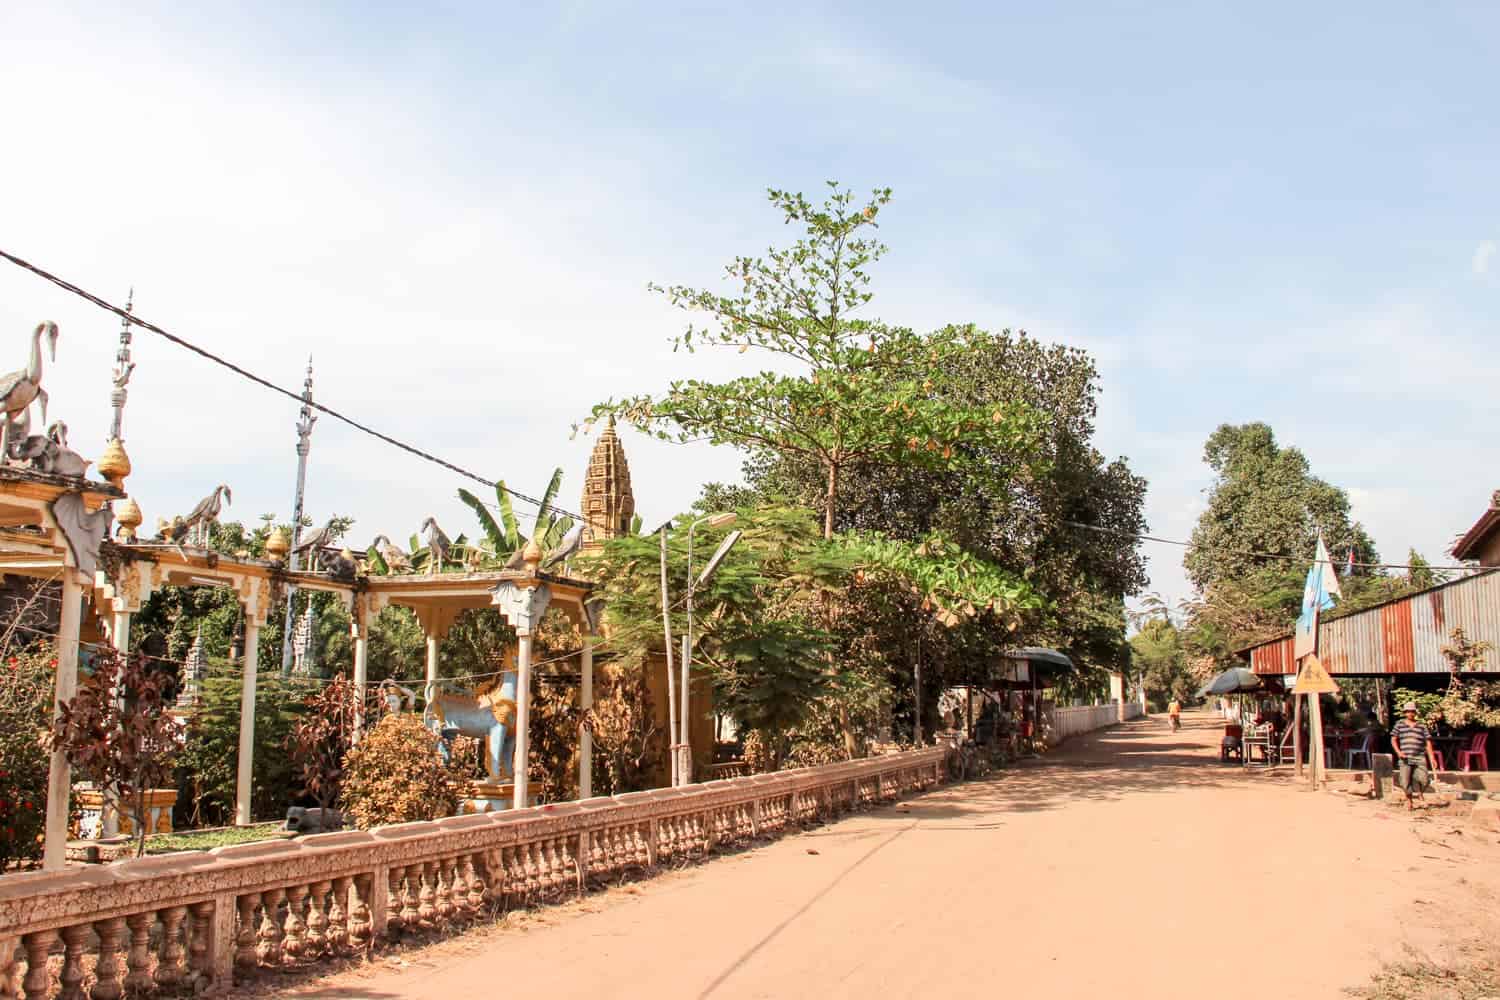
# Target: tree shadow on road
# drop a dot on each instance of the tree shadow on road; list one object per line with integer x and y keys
{"x": 1136, "y": 758}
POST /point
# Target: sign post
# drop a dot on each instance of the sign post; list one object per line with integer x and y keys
{"x": 1313, "y": 681}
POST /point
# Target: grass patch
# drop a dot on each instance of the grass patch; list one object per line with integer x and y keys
{"x": 1417, "y": 980}
{"x": 202, "y": 840}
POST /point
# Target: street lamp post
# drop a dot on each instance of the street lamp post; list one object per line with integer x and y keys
{"x": 685, "y": 765}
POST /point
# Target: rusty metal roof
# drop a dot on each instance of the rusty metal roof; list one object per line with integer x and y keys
{"x": 1401, "y": 636}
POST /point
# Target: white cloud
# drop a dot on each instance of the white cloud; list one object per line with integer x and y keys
{"x": 1483, "y": 255}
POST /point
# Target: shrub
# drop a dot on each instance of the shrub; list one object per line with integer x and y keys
{"x": 395, "y": 775}
{"x": 117, "y": 733}
{"x": 26, "y": 681}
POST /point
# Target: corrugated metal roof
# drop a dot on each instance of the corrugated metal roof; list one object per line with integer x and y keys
{"x": 1401, "y": 636}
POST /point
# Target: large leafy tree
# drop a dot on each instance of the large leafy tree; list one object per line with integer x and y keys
{"x": 1253, "y": 544}
{"x": 840, "y": 391}
{"x": 1002, "y": 508}
{"x": 1265, "y": 503}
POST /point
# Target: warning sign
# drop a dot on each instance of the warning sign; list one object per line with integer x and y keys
{"x": 1313, "y": 679}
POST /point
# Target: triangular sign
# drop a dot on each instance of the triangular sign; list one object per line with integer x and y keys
{"x": 1313, "y": 679}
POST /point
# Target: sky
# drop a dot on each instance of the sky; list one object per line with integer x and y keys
{"x": 1244, "y": 212}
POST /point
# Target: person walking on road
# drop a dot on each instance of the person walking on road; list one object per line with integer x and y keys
{"x": 1174, "y": 712}
{"x": 1413, "y": 746}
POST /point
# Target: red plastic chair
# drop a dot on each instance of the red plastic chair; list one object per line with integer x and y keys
{"x": 1476, "y": 752}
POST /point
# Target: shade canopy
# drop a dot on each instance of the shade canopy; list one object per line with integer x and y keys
{"x": 1235, "y": 680}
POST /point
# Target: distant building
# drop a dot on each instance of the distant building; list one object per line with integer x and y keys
{"x": 1481, "y": 543}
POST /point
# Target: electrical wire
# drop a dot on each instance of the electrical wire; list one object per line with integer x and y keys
{"x": 1249, "y": 552}
{"x": 131, "y": 318}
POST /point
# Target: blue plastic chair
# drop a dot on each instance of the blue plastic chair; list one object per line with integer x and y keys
{"x": 1363, "y": 751}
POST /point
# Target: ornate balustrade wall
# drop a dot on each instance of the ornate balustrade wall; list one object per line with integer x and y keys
{"x": 196, "y": 917}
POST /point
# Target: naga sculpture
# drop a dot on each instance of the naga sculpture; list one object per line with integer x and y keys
{"x": 20, "y": 389}
{"x": 488, "y": 713}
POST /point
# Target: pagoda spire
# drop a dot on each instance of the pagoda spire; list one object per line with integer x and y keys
{"x": 608, "y": 502}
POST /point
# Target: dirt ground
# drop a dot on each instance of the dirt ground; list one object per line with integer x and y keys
{"x": 1128, "y": 864}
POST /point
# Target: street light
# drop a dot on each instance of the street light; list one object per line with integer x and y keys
{"x": 723, "y": 520}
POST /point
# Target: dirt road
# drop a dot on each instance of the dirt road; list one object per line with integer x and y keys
{"x": 1129, "y": 864}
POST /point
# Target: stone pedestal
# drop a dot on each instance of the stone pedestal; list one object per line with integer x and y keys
{"x": 100, "y": 815}
{"x": 491, "y": 796}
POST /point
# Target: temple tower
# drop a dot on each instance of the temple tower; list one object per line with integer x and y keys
{"x": 608, "y": 503}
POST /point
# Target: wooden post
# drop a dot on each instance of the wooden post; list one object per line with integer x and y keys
{"x": 1297, "y": 731}
{"x": 1315, "y": 724}
{"x": 60, "y": 774}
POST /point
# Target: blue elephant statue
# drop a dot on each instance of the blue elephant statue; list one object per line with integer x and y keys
{"x": 487, "y": 713}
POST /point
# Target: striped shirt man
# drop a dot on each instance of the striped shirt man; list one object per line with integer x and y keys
{"x": 1411, "y": 738}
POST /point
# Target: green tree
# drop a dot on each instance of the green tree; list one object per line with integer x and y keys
{"x": 1265, "y": 503}
{"x": 26, "y": 681}
{"x": 1162, "y": 663}
{"x": 851, "y": 392}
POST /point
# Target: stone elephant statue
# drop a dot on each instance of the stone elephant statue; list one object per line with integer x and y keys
{"x": 487, "y": 714}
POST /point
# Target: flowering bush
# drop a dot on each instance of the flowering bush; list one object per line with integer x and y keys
{"x": 26, "y": 681}
{"x": 395, "y": 775}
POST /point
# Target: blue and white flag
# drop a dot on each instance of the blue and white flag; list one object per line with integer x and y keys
{"x": 1320, "y": 593}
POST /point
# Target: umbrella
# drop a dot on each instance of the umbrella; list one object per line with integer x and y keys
{"x": 1235, "y": 680}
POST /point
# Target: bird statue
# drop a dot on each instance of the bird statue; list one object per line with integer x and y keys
{"x": 566, "y": 549}
{"x": 203, "y": 517}
{"x": 20, "y": 388}
{"x": 316, "y": 542}
{"x": 517, "y": 558}
{"x": 396, "y": 560}
{"x": 437, "y": 545}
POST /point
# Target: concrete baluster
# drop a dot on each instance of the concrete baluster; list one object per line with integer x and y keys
{"x": 169, "y": 954}
{"x": 107, "y": 985}
{"x": 338, "y": 915}
{"x": 442, "y": 898}
{"x": 427, "y": 898}
{"x": 477, "y": 890}
{"x": 268, "y": 949}
{"x": 317, "y": 919}
{"x": 361, "y": 920}
{"x": 75, "y": 939}
{"x": 138, "y": 959}
{"x": 244, "y": 939}
{"x": 200, "y": 930}
{"x": 38, "y": 981}
{"x": 411, "y": 911}
{"x": 395, "y": 917}
{"x": 295, "y": 942}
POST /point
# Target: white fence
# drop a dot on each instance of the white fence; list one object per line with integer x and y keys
{"x": 1066, "y": 722}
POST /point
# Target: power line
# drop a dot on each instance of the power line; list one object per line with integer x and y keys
{"x": 1246, "y": 552}
{"x": 131, "y": 318}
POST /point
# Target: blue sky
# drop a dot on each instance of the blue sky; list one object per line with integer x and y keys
{"x": 1280, "y": 213}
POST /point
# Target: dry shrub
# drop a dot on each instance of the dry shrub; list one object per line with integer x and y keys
{"x": 395, "y": 775}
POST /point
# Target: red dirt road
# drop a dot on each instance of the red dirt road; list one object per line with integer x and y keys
{"x": 1129, "y": 864}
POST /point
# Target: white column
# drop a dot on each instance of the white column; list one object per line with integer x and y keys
{"x": 430, "y": 691}
{"x": 247, "y": 721}
{"x": 523, "y": 719}
{"x": 59, "y": 775}
{"x": 586, "y": 736}
{"x": 109, "y": 825}
{"x": 361, "y": 665}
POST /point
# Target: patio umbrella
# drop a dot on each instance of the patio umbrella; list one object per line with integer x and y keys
{"x": 1235, "y": 680}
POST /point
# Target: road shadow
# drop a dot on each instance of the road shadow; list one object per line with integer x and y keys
{"x": 1142, "y": 757}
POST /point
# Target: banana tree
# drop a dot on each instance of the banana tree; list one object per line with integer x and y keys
{"x": 503, "y": 536}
